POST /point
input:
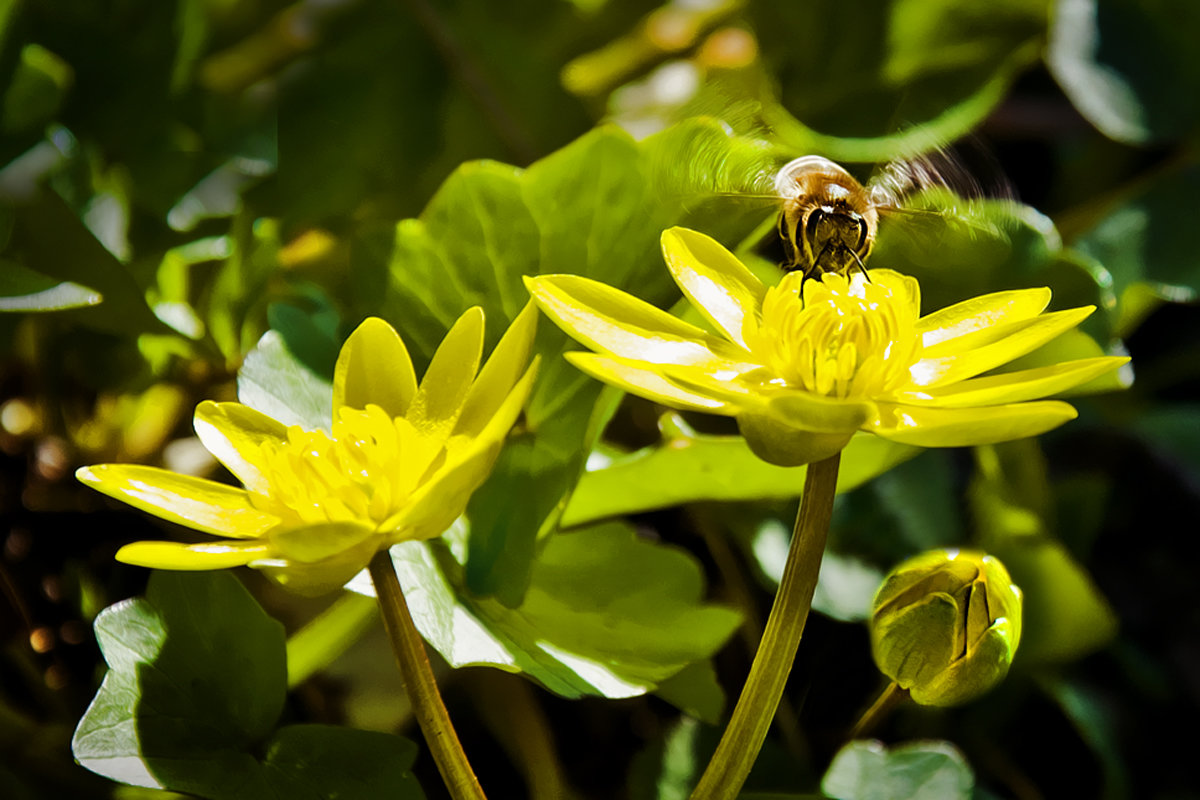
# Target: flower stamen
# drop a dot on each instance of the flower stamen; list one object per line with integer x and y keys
{"x": 836, "y": 337}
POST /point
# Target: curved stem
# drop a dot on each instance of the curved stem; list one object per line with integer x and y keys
{"x": 743, "y": 737}
{"x": 422, "y": 689}
{"x": 888, "y": 699}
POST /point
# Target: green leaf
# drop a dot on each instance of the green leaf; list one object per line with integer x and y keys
{"x": 51, "y": 240}
{"x": 606, "y": 614}
{"x": 239, "y": 289}
{"x": 1065, "y": 615}
{"x": 195, "y": 685}
{"x": 196, "y": 679}
{"x": 328, "y": 635}
{"x": 314, "y": 762}
{"x": 679, "y": 767}
{"x": 688, "y": 467}
{"x": 969, "y": 248}
{"x": 872, "y": 81}
{"x": 1110, "y": 58}
{"x": 1173, "y": 430}
{"x": 39, "y": 85}
{"x": 589, "y": 208}
{"x": 845, "y": 585}
{"x": 22, "y": 289}
{"x": 276, "y": 382}
{"x": 916, "y": 771}
{"x": 1146, "y": 244}
{"x": 696, "y": 691}
{"x": 1090, "y": 713}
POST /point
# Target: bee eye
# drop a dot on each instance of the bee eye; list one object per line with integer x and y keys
{"x": 812, "y": 223}
{"x": 862, "y": 236}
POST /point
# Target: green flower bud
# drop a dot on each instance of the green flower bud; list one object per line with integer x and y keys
{"x": 945, "y": 625}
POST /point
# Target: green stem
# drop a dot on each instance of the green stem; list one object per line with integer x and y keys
{"x": 427, "y": 703}
{"x": 743, "y": 737}
{"x": 891, "y": 697}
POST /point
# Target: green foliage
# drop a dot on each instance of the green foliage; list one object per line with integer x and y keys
{"x": 689, "y": 467}
{"x": 203, "y": 193}
{"x": 1110, "y": 59}
{"x": 195, "y": 686}
{"x": 925, "y": 770}
{"x": 606, "y": 614}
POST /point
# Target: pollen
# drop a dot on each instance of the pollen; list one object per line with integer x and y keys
{"x": 836, "y": 336}
{"x": 364, "y": 471}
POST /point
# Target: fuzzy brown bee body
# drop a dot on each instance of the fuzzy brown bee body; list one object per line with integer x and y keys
{"x": 829, "y": 219}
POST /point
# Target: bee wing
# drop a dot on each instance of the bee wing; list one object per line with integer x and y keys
{"x": 705, "y": 158}
{"x": 936, "y": 215}
{"x": 937, "y": 169}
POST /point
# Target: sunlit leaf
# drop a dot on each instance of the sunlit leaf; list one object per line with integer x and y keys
{"x": 195, "y": 685}
{"x": 276, "y": 382}
{"x": 22, "y": 289}
{"x": 587, "y": 209}
{"x": 690, "y": 467}
{"x": 867, "y": 770}
{"x": 606, "y": 613}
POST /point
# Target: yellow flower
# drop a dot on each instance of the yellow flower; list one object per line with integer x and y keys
{"x": 945, "y": 625}
{"x": 806, "y": 363}
{"x": 399, "y": 464}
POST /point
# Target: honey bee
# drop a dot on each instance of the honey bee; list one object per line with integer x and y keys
{"x": 825, "y": 219}
{"x": 829, "y": 219}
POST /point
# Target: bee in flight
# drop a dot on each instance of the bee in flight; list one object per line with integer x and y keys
{"x": 829, "y": 220}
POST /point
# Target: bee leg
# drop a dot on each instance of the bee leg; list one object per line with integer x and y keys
{"x": 861, "y": 266}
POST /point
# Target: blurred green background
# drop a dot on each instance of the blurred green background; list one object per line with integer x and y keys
{"x": 179, "y": 176}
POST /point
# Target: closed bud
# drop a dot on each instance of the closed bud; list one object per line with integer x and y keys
{"x": 945, "y": 625}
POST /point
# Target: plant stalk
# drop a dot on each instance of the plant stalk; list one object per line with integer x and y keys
{"x": 888, "y": 699}
{"x": 422, "y": 689}
{"x": 747, "y": 729}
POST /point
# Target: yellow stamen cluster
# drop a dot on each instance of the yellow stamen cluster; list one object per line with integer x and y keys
{"x": 365, "y": 471}
{"x": 836, "y": 337}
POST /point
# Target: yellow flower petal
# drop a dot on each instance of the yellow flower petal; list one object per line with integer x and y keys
{"x": 715, "y": 282}
{"x": 444, "y": 387}
{"x": 374, "y": 367}
{"x": 900, "y": 285}
{"x": 1014, "y": 387}
{"x": 316, "y": 578}
{"x": 963, "y": 427}
{"x": 308, "y": 544}
{"x": 619, "y": 324}
{"x": 434, "y": 505}
{"x": 644, "y": 380}
{"x": 987, "y": 348}
{"x": 805, "y": 411}
{"x": 979, "y": 313}
{"x": 195, "y": 502}
{"x": 501, "y": 420}
{"x": 235, "y": 434}
{"x": 500, "y": 374}
{"x": 206, "y": 555}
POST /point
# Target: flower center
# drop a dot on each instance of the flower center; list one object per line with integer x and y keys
{"x": 838, "y": 337}
{"x": 364, "y": 472}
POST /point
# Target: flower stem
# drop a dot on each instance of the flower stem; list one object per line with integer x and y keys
{"x": 891, "y": 697}
{"x": 422, "y": 689}
{"x": 743, "y": 737}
